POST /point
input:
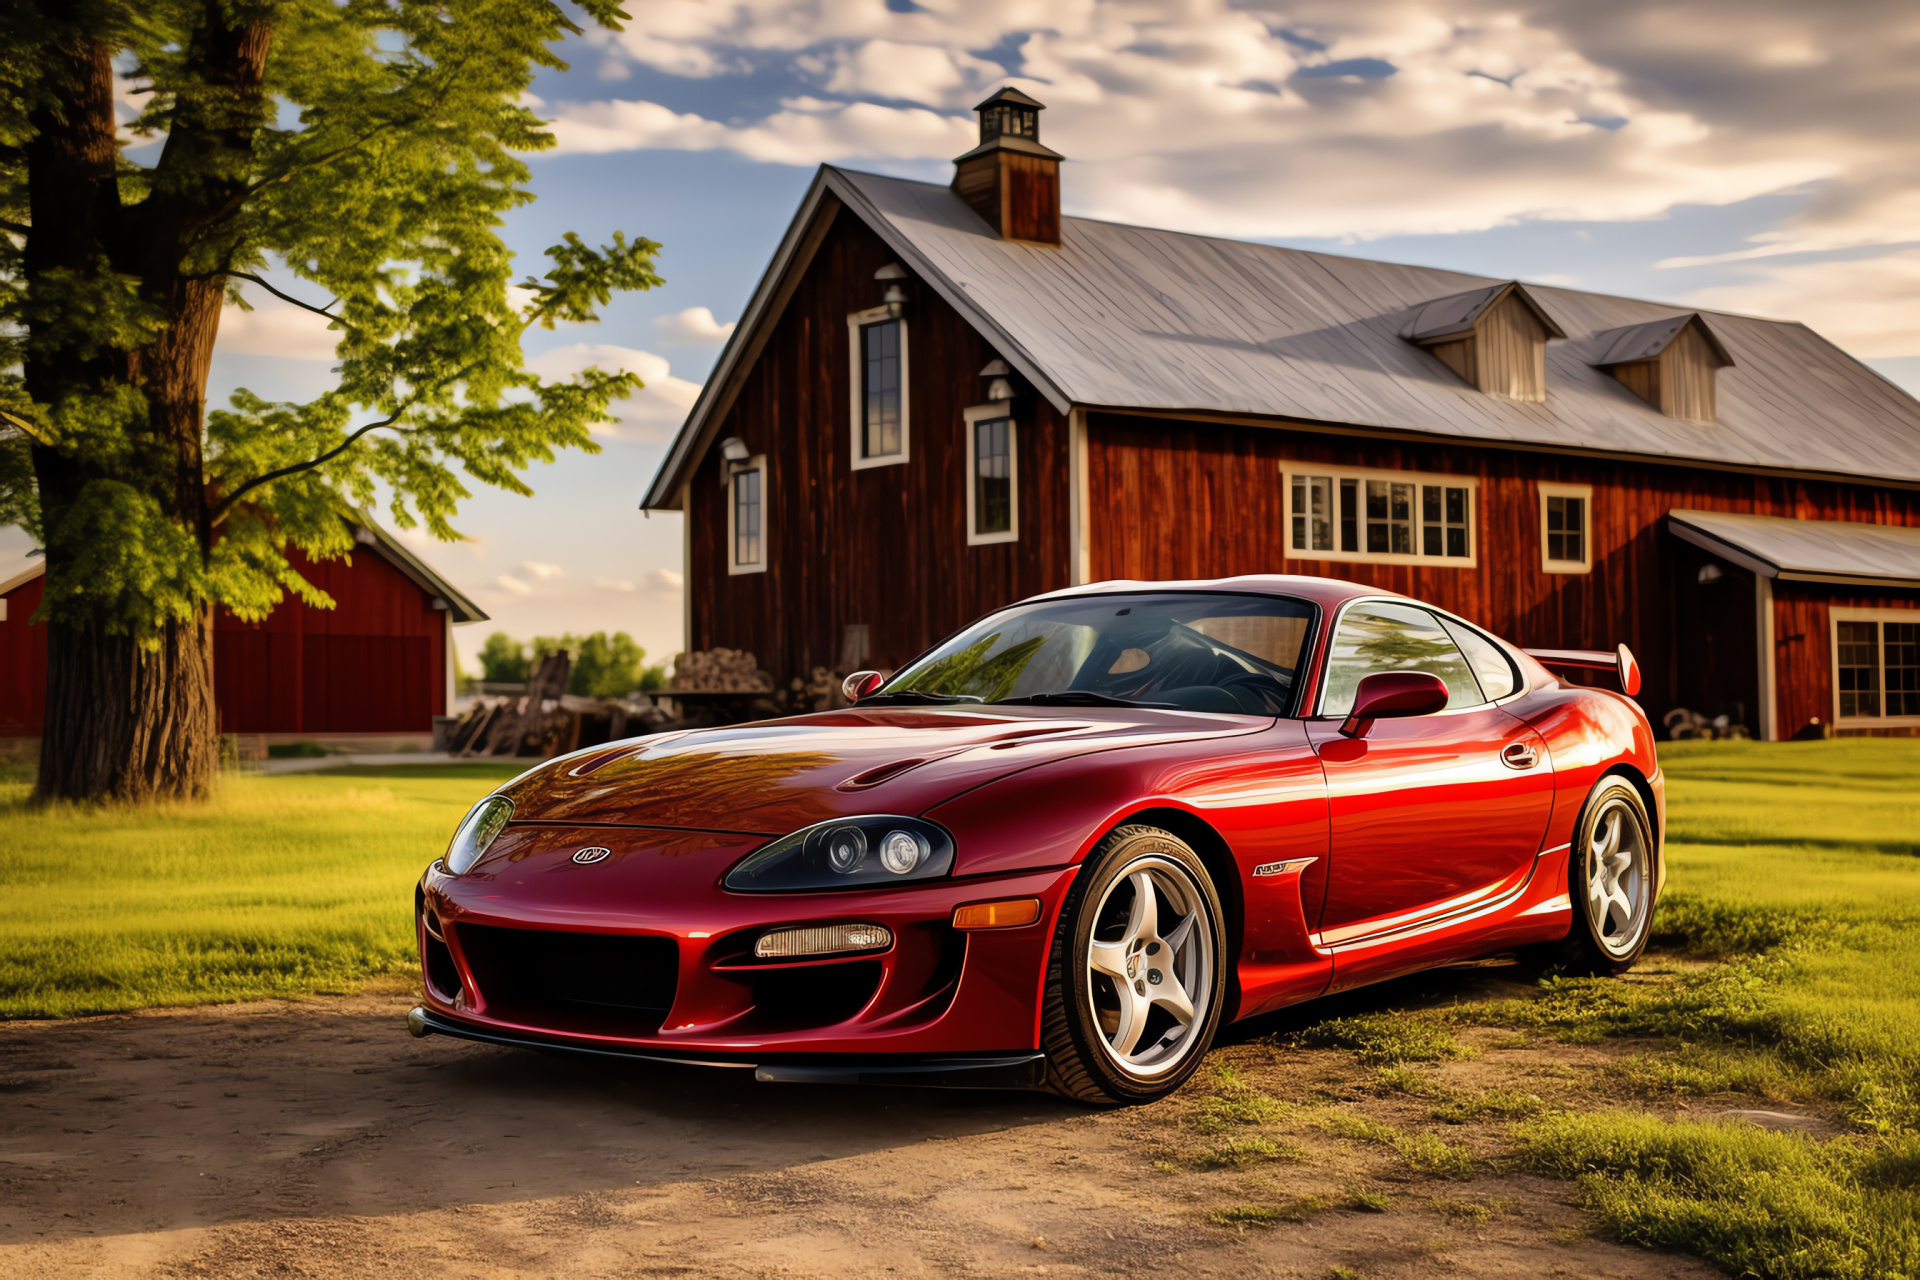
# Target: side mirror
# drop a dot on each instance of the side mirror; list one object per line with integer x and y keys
{"x": 860, "y": 684}
{"x": 1391, "y": 695}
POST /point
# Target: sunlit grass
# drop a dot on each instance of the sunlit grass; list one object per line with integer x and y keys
{"x": 1795, "y": 865}
{"x": 279, "y": 886}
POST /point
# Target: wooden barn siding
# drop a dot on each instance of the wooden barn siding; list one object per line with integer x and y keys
{"x": 1173, "y": 499}
{"x": 1511, "y": 347}
{"x": 883, "y": 546}
{"x": 1803, "y": 649}
{"x": 375, "y": 663}
{"x": 23, "y": 664}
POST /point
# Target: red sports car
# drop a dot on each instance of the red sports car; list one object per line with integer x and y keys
{"x": 1061, "y": 848}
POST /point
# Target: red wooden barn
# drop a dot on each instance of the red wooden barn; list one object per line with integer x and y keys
{"x": 379, "y": 664}
{"x": 941, "y": 399}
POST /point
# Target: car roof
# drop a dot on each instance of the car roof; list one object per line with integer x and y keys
{"x": 1328, "y": 593}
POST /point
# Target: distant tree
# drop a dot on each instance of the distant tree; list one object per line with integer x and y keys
{"x": 354, "y": 158}
{"x": 603, "y": 666}
{"x": 654, "y": 678}
{"x": 503, "y": 660}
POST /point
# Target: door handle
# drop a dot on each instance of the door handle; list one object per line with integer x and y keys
{"x": 1519, "y": 755}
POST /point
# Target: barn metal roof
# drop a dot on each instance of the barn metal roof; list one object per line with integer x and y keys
{"x": 1807, "y": 550}
{"x": 1126, "y": 317}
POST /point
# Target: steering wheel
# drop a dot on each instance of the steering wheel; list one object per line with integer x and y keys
{"x": 1274, "y": 691}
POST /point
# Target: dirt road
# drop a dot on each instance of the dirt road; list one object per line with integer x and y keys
{"x": 317, "y": 1139}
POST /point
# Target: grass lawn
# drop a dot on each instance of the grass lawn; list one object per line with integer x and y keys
{"x": 1794, "y": 866}
{"x": 281, "y": 886}
{"x": 1793, "y": 902}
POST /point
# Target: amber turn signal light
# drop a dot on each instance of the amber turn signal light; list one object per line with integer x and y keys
{"x": 1010, "y": 914}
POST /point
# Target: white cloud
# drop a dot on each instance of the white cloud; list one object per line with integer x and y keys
{"x": 275, "y": 328}
{"x": 514, "y": 585}
{"x": 1320, "y": 117}
{"x": 545, "y": 572}
{"x": 1867, "y": 306}
{"x": 653, "y": 413}
{"x": 668, "y": 579}
{"x": 613, "y": 584}
{"x": 694, "y": 327}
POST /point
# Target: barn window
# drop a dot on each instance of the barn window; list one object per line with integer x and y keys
{"x": 877, "y": 374}
{"x": 993, "y": 475}
{"x": 747, "y": 516}
{"x": 1566, "y": 528}
{"x": 1379, "y": 516}
{"x": 1876, "y": 666}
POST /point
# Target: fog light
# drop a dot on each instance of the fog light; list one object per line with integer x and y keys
{"x": 823, "y": 940}
{"x": 1010, "y": 914}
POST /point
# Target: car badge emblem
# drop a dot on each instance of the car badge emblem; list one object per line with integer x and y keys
{"x": 588, "y": 856}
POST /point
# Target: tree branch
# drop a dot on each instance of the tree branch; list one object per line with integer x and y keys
{"x": 284, "y": 297}
{"x": 280, "y": 473}
{"x": 24, "y": 427}
{"x": 16, "y": 228}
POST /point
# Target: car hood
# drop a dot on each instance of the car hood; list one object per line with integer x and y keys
{"x": 779, "y": 775}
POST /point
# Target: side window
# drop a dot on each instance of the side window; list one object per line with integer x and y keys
{"x": 1490, "y": 664}
{"x": 1379, "y": 636}
{"x": 746, "y": 517}
{"x": 877, "y": 382}
{"x": 880, "y": 388}
{"x": 993, "y": 475}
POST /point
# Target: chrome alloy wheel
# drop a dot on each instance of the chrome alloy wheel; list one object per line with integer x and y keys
{"x": 1619, "y": 877}
{"x": 1150, "y": 965}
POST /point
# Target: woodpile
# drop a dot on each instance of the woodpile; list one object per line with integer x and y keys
{"x": 719, "y": 671}
{"x": 546, "y": 720}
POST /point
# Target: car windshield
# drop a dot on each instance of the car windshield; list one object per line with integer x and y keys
{"x": 1194, "y": 651}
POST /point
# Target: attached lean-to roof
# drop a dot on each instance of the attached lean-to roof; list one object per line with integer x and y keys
{"x": 1837, "y": 551}
{"x": 1131, "y": 318}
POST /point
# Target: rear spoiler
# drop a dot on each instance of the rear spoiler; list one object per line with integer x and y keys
{"x": 1620, "y": 662}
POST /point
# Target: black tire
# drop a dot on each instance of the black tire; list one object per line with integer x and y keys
{"x": 1082, "y": 1062}
{"x": 1612, "y": 949}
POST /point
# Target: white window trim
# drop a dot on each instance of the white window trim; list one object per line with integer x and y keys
{"x": 1834, "y": 618}
{"x": 973, "y": 415}
{"x": 756, "y": 463}
{"x": 1585, "y": 493}
{"x": 857, "y": 397}
{"x": 1288, "y": 470}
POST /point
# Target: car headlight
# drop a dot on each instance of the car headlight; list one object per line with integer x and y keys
{"x": 847, "y": 853}
{"x": 476, "y": 831}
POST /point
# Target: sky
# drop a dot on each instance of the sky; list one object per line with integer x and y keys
{"x": 1748, "y": 155}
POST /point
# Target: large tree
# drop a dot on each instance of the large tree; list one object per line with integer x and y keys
{"x": 158, "y": 158}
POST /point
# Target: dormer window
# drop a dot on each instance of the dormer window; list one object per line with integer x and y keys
{"x": 1672, "y": 364}
{"x": 1495, "y": 338}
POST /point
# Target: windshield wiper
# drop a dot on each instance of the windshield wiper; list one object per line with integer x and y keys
{"x": 915, "y": 698}
{"x": 1081, "y": 698}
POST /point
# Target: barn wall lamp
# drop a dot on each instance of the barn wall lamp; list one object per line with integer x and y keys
{"x": 734, "y": 449}
{"x": 1001, "y": 385}
{"x": 895, "y": 297}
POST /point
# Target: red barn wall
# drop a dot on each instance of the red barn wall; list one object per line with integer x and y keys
{"x": 23, "y": 665}
{"x": 1173, "y": 499}
{"x": 375, "y": 664}
{"x": 884, "y": 546}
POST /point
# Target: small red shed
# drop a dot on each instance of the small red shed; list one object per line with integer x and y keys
{"x": 378, "y": 664}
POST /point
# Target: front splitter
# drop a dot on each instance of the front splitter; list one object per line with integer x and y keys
{"x": 985, "y": 1071}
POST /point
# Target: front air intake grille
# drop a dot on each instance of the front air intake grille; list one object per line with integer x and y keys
{"x": 527, "y": 972}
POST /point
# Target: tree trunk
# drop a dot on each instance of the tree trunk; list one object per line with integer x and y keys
{"x": 125, "y": 722}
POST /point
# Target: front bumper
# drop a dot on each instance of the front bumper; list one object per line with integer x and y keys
{"x": 975, "y": 1071}
{"x": 643, "y": 955}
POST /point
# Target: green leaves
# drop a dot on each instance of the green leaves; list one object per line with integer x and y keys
{"x": 360, "y": 156}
